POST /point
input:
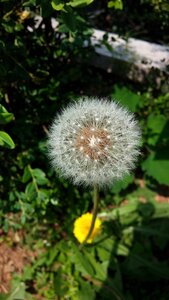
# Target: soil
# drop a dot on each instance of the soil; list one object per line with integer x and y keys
{"x": 13, "y": 258}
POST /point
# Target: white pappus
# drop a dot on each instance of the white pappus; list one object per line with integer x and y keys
{"x": 94, "y": 142}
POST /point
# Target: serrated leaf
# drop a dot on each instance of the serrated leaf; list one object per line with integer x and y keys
{"x": 6, "y": 140}
{"x": 82, "y": 260}
{"x": 100, "y": 272}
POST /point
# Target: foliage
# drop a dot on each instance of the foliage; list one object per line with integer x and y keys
{"x": 43, "y": 68}
{"x": 139, "y": 19}
{"x": 117, "y": 4}
{"x": 5, "y": 117}
{"x": 158, "y": 4}
{"x": 122, "y": 254}
{"x": 155, "y": 128}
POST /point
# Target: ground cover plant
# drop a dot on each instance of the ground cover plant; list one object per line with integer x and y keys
{"x": 42, "y": 71}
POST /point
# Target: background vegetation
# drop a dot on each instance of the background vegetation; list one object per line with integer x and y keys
{"x": 42, "y": 69}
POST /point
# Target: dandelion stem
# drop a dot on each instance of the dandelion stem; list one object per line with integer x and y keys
{"x": 95, "y": 210}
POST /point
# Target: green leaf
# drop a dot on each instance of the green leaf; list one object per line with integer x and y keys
{"x": 123, "y": 210}
{"x": 161, "y": 210}
{"x": 114, "y": 246}
{"x": 81, "y": 259}
{"x": 5, "y": 116}
{"x": 103, "y": 254}
{"x": 157, "y": 168}
{"x": 156, "y": 123}
{"x": 27, "y": 174}
{"x": 123, "y": 184}
{"x": 85, "y": 291}
{"x": 157, "y": 126}
{"x": 46, "y": 9}
{"x": 100, "y": 272}
{"x": 5, "y": 140}
{"x": 60, "y": 284}
{"x": 28, "y": 273}
{"x": 117, "y": 279}
{"x": 76, "y": 3}
{"x": 69, "y": 19}
{"x": 52, "y": 255}
{"x": 8, "y": 26}
{"x": 126, "y": 97}
{"x": 18, "y": 291}
{"x": 57, "y": 5}
{"x": 151, "y": 231}
{"x": 30, "y": 191}
{"x": 40, "y": 176}
{"x": 29, "y": 3}
{"x": 3, "y": 297}
{"x": 117, "y": 4}
{"x": 161, "y": 270}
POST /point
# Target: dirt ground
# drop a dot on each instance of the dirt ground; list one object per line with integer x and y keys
{"x": 13, "y": 257}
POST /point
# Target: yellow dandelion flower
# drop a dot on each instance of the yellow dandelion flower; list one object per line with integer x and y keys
{"x": 24, "y": 15}
{"x": 82, "y": 226}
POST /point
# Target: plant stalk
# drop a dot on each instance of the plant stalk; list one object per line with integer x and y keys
{"x": 95, "y": 210}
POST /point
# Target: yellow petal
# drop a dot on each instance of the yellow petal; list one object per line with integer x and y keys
{"x": 82, "y": 226}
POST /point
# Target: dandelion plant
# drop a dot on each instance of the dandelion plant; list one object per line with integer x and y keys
{"x": 94, "y": 142}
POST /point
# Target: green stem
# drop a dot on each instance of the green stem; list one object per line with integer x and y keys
{"x": 95, "y": 210}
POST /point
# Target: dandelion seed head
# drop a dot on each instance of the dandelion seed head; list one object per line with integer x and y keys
{"x": 91, "y": 152}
